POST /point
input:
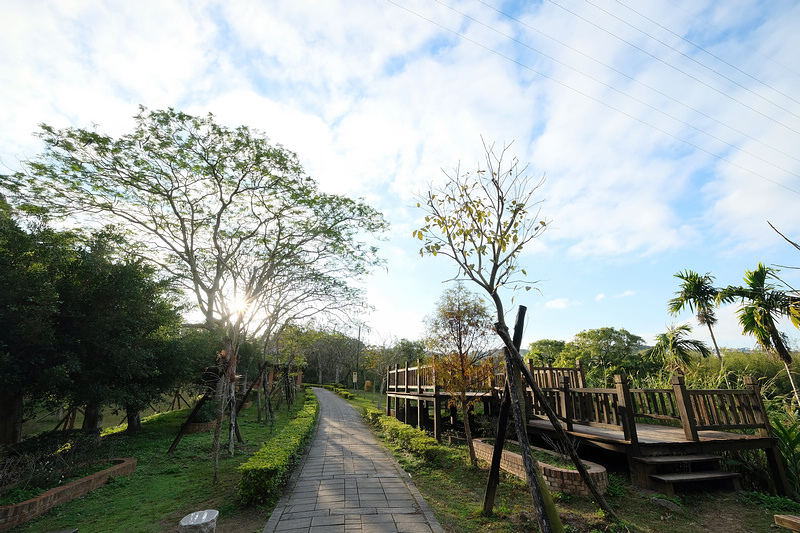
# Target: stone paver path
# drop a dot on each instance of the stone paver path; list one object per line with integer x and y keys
{"x": 347, "y": 482}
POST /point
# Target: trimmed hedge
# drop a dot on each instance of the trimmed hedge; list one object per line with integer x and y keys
{"x": 344, "y": 393}
{"x": 265, "y": 472}
{"x": 407, "y": 437}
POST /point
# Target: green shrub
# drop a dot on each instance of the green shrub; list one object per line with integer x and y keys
{"x": 409, "y": 438}
{"x": 207, "y": 412}
{"x": 265, "y": 472}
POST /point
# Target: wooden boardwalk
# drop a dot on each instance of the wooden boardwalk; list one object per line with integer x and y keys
{"x": 643, "y": 424}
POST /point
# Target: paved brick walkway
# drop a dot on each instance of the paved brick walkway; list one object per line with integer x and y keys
{"x": 347, "y": 482}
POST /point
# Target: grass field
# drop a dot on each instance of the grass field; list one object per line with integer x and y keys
{"x": 167, "y": 487}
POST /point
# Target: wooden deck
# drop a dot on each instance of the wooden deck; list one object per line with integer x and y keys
{"x": 639, "y": 423}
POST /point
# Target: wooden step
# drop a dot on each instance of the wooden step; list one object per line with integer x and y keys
{"x": 686, "y": 477}
{"x": 676, "y": 459}
{"x": 666, "y": 482}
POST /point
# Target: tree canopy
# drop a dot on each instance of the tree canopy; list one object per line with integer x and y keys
{"x": 83, "y": 326}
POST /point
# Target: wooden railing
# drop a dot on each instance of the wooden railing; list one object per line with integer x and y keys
{"x": 619, "y": 408}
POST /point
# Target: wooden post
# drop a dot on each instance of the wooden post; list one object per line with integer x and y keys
{"x": 405, "y": 379}
{"x": 437, "y": 417}
{"x": 437, "y": 407}
{"x": 566, "y": 402}
{"x": 625, "y": 410}
{"x": 751, "y": 385}
{"x": 774, "y": 459}
{"x": 581, "y": 375}
{"x": 548, "y": 518}
{"x": 545, "y": 509}
{"x": 685, "y": 408}
{"x": 389, "y": 386}
{"x": 562, "y": 435}
{"x": 497, "y": 453}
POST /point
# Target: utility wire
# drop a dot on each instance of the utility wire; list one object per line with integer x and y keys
{"x": 695, "y": 78}
{"x": 641, "y": 121}
{"x": 729, "y": 35}
{"x": 630, "y": 78}
{"x": 718, "y": 58}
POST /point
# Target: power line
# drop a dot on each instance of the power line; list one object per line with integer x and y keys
{"x": 718, "y": 58}
{"x": 693, "y": 60}
{"x": 630, "y": 78}
{"x": 641, "y": 121}
{"x": 729, "y": 35}
{"x": 623, "y": 93}
{"x": 695, "y": 78}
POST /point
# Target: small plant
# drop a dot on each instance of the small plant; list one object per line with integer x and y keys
{"x": 788, "y": 437}
{"x": 773, "y": 504}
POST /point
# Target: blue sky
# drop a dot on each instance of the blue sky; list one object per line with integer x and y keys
{"x": 668, "y": 131}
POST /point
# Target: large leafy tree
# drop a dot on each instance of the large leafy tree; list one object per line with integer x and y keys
{"x": 30, "y": 365}
{"x": 762, "y": 304}
{"x": 604, "y": 352}
{"x": 224, "y": 211}
{"x": 459, "y": 336}
{"x": 119, "y": 324}
{"x": 698, "y": 293}
{"x": 674, "y": 350}
{"x": 545, "y": 351}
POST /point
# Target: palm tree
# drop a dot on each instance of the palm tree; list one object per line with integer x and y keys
{"x": 697, "y": 292}
{"x": 674, "y": 350}
{"x": 762, "y": 305}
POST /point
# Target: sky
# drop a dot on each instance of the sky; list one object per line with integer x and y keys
{"x": 667, "y": 131}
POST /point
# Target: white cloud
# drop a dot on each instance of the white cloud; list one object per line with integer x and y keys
{"x": 561, "y": 303}
{"x": 376, "y": 101}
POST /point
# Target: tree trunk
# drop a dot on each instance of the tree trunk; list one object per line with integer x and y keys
{"x": 549, "y": 521}
{"x": 791, "y": 380}
{"x": 716, "y": 348}
{"x": 11, "y": 406}
{"x": 134, "y": 420}
{"x": 502, "y": 330}
{"x": 92, "y": 417}
{"x": 189, "y": 420}
{"x": 468, "y": 432}
{"x": 221, "y": 397}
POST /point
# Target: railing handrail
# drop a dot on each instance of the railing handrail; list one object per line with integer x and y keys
{"x": 696, "y": 409}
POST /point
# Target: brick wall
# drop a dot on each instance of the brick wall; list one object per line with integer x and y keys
{"x": 557, "y": 479}
{"x": 14, "y": 515}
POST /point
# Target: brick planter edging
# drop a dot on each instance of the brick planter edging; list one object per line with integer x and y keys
{"x": 14, "y": 515}
{"x": 557, "y": 479}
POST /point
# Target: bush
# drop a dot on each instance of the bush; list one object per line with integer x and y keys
{"x": 47, "y": 459}
{"x": 409, "y": 438}
{"x": 265, "y": 472}
{"x": 207, "y": 412}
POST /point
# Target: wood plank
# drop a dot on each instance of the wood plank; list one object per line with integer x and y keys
{"x": 788, "y": 521}
{"x": 677, "y": 459}
{"x": 688, "y": 477}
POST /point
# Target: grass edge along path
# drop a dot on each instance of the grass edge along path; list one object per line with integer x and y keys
{"x": 165, "y": 488}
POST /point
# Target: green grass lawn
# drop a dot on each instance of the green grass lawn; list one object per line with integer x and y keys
{"x": 164, "y": 488}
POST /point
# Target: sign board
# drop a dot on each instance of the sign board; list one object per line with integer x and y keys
{"x": 355, "y": 377}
